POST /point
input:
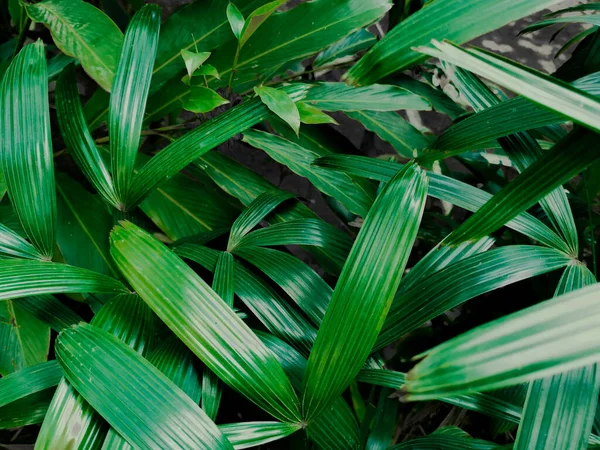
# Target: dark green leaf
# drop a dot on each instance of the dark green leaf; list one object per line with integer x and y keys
{"x": 29, "y": 380}
{"x": 256, "y": 19}
{"x": 345, "y": 48}
{"x": 592, "y": 19}
{"x": 50, "y": 311}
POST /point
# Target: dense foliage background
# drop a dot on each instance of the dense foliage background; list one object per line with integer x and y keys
{"x": 323, "y": 224}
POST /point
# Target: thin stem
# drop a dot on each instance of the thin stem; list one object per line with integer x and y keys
{"x": 233, "y": 69}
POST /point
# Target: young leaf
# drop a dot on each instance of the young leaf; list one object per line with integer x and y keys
{"x": 312, "y": 115}
{"x": 281, "y": 104}
{"x": 236, "y": 20}
{"x": 193, "y": 60}
{"x": 128, "y": 99}
{"x": 255, "y": 20}
{"x": 203, "y": 321}
{"x": 82, "y": 31}
{"x": 457, "y": 20}
{"x": 203, "y": 100}
{"x": 153, "y": 401}
{"x": 351, "y": 325}
{"x": 26, "y": 151}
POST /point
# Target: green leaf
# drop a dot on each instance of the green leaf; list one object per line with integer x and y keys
{"x": 23, "y": 338}
{"x": 345, "y": 48}
{"x": 12, "y": 244}
{"x": 83, "y": 228}
{"x": 193, "y": 60}
{"x": 522, "y": 346}
{"x": 462, "y": 281}
{"x": 194, "y": 144}
{"x": 392, "y": 128}
{"x": 28, "y": 381}
{"x": 281, "y": 104}
{"x": 22, "y": 278}
{"x": 209, "y": 70}
{"x": 50, "y": 311}
{"x": 446, "y": 189}
{"x": 96, "y": 47}
{"x": 356, "y": 197}
{"x": 378, "y": 97}
{"x": 273, "y": 312}
{"x": 256, "y": 211}
{"x": 592, "y": 19}
{"x": 26, "y": 146}
{"x": 569, "y": 397}
{"x": 203, "y": 321}
{"x": 256, "y": 19}
{"x": 384, "y": 422}
{"x": 446, "y": 439}
{"x": 350, "y": 326}
{"x": 77, "y": 136}
{"x": 203, "y": 100}
{"x": 236, "y": 20}
{"x": 549, "y": 92}
{"x": 152, "y": 399}
{"x": 312, "y": 115}
{"x": 253, "y": 434}
{"x": 565, "y": 160}
{"x": 128, "y": 99}
{"x": 456, "y": 20}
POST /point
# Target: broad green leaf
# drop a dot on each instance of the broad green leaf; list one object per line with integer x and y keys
{"x": 522, "y": 346}
{"x": 446, "y": 189}
{"x": 358, "y": 198}
{"x": 199, "y": 26}
{"x": 457, "y": 20}
{"x": 592, "y": 19}
{"x": 152, "y": 399}
{"x": 256, "y": 19}
{"x": 392, "y": 128}
{"x": 252, "y": 434}
{"x": 281, "y": 105}
{"x": 256, "y": 211}
{"x": 78, "y": 139}
{"x": 463, "y": 281}
{"x": 549, "y": 92}
{"x": 27, "y": 411}
{"x": 203, "y": 100}
{"x": 49, "y": 310}
{"x": 345, "y": 49}
{"x": 273, "y": 312}
{"x": 71, "y": 421}
{"x": 350, "y": 326}
{"x": 24, "y": 339}
{"x": 128, "y": 98}
{"x": 564, "y": 161}
{"x": 57, "y": 64}
{"x": 193, "y": 60}
{"x": 523, "y": 151}
{"x": 335, "y": 429}
{"x": 378, "y": 97}
{"x": 510, "y": 116}
{"x": 258, "y": 61}
{"x": 312, "y": 115}
{"x": 83, "y": 228}
{"x": 236, "y": 20}
{"x": 22, "y": 278}
{"x": 84, "y": 32}
{"x": 26, "y": 152}
{"x": 570, "y": 397}
{"x": 28, "y": 381}
{"x": 11, "y": 244}
{"x": 191, "y": 146}
{"x": 310, "y": 292}
{"x": 203, "y": 321}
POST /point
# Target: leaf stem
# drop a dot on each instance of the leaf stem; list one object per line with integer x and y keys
{"x": 233, "y": 69}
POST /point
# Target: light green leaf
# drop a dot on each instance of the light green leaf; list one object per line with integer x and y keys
{"x": 312, "y": 115}
{"x": 128, "y": 99}
{"x": 208, "y": 70}
{"x": 22, "y": 278}
{"x": 193, "y": 60}
{"x": 522, "y": 346}
{"x": 157, "y": 400}
{"x": 252, "y": 434}
{"x": 26, "y": 151}
{"x": 236, "y": 20}
{"x": 378, "y": 97}
{"x": 281, "y": 104}
{"x": 84, "y": 32}
{"x": 203, "y": 100}
{"x": 255, "y": 20}
{"x": 203, "y": 321}
{"x": 457, "y": 20}
{"x": 11, "y": 244}
{"x": 344, "y": 49}
{"x": 350, "y": 325}
{"x": 28, "y": 381}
